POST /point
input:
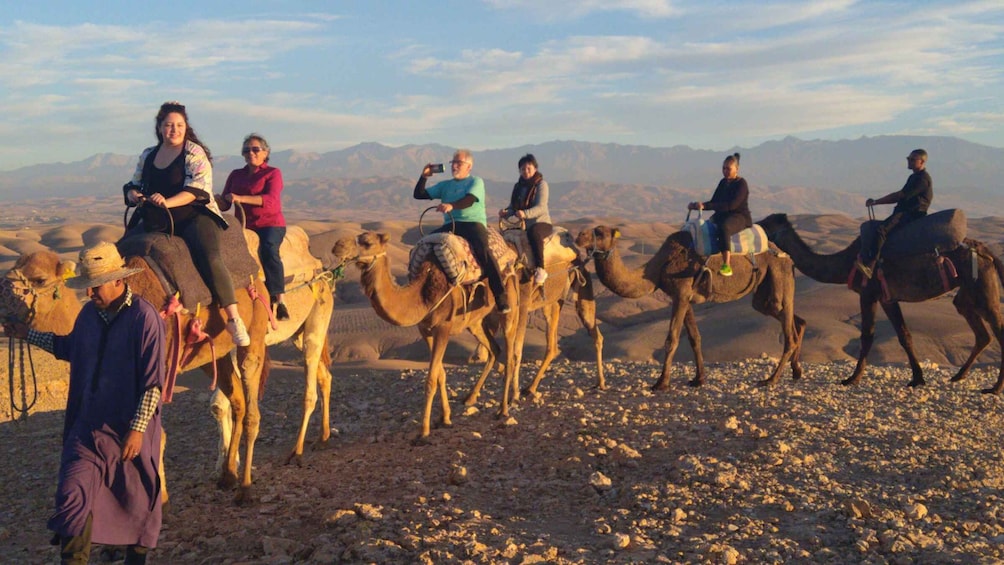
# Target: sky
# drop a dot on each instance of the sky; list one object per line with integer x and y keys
{"x": 79, "y": 78}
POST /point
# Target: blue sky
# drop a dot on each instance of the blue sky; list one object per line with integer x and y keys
{"x": 79, "y": 78}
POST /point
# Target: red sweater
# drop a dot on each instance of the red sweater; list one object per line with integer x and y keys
{"x": 265, "y": 182}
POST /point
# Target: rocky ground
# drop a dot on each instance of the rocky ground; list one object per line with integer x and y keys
{"x": 805, "y": 472}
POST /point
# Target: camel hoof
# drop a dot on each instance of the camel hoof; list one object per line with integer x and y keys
{"x": 915, "y": 383}
{"x": 995, "y": 390}
{"x": 660, "y": 386}
{"x": 957, "y": 378}
{"x": 421, "y": 441}
{"x": 471, "y": 401}
{"x": 227, "y": 481}
{"x": 295, "y": 457}
{"x": 245, "y": 496}
{"x": 765, "y": 383}
{"x": 320, "y": 445}
{"x": 796, "y": 374}
{"x": 695, "y": 382}
{"x": 849, "y": 381}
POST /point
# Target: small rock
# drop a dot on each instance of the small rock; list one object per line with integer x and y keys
{"x": 621, "y": 541}
{"x": 600, "y": 482}
{"x": 858, "y": 508}
{"x": 916, "y": 511}
{"x": 369, "y": 512}
{"x": 458, "y": 475}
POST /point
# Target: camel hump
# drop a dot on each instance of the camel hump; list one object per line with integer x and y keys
{"x": 170, "y": 258}
{"x": 559, "y": 247}
{"x": 454, "y": 256}
{"x": 944, "y": 230}
{"x": 704, "y": 237}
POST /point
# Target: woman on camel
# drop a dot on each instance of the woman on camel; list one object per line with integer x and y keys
{"x": 174, "y": 181}
{"x": 732, "y": 211}
{"x": 258, "y": 187}
{"x": 529, "y": 203}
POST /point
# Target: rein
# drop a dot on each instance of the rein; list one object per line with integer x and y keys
{"x": 20, "y": 412}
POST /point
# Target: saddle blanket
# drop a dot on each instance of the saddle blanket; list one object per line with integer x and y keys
{"x": 704, "y": 235}
{"x": 944, "y": 230}
{"x": 298, "y": 264}
{"x": 454, "y": 255}
{"x": 559, "y": 247}
{"x": 170, "y": 255}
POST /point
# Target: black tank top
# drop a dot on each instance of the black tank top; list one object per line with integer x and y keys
{"x": 168, "y": 181}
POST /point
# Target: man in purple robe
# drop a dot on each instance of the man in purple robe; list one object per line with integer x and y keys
{"x": 109, "y": 489}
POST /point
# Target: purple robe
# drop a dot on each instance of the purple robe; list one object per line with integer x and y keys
{"x": 111, "y": 367}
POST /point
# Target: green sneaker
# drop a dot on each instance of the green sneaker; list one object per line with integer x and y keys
{"x": 725, "y": 271}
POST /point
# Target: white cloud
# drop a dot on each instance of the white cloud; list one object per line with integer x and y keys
{"x": 562, "y": 9}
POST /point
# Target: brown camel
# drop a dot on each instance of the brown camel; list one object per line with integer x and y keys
{"x": 908, "y": 279}
{"x": 310, "y": 302}
{"x": 438, "y": 308}
{"x": 35, "y": 285}
{"x": 564, "y": 277}
{"x": 676, "y": 269}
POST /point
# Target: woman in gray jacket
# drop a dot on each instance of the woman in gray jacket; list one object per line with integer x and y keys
{"x": 529, "y": 203}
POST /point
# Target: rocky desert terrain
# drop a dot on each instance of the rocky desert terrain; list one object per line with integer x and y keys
{"x": 808, "y": 471}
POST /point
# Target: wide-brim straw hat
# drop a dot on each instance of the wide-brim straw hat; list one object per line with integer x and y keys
{"x": 98, "y": 265}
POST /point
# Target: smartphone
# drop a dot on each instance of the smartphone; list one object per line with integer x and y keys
{"x": 437, "y": 168}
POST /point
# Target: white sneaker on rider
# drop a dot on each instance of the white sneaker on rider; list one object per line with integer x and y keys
{"x": 539, "y": 276}
{"x": 238, "y": 333}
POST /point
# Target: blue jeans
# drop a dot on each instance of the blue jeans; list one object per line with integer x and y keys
{"x": 269, "y": 240}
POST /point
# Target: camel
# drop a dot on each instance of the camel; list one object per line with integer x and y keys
{"x": 439, "y": 309}
{"x": 310, "y": 303}
{"x": 549, "y": 298}
{"x": 676, "y": 268}
{"x": 28, "y": 286}
{"x": 908, "y": 279}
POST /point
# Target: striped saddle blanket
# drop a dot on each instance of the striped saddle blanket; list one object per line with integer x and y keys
{"x": 559, "y": 247}
{"x": 705, "y": 238}
{"x": 454, "y": 255}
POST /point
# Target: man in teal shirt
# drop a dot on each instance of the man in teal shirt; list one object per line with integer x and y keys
{"x": 462, "y": 202}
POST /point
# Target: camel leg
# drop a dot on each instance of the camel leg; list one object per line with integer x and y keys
{"x": 895, "y": 315}
{"x": 786, "y": 316}
{"x": 679, "y": 314}
{"x": 251, "y": 368}
{"x": 551, "y": 313}
{"x": 510, "y": 325}
{"x": 869, "y": 302}
{"x": 314, "y": 342}
{"x": 234, "y": 393}
{"x": 520, "y": 339}
{"x": 219, "y": 407}
{"x": 438, "y": 340}
{"x": 796, "y": 356}
{"x": 485, "y": 343}
{"x": 585, "y": 307}
{"x": 694, "y": 337}
{"x": 324, "y": 382}
{"x": 979, "y": 328}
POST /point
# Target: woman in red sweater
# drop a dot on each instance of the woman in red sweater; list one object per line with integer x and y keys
{"x": 258, "y": 188}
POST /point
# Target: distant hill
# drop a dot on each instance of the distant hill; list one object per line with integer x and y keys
{"x": 790, "y": 175}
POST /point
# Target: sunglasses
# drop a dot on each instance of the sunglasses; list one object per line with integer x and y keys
{"x": 254, "y": 150}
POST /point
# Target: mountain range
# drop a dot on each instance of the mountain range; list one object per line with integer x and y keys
{"x": 588, "y": 179}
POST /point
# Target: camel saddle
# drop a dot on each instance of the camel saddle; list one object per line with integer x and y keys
{"x": 168, "y": 256}
{"x": 454, "y": 255}
{"x": 704, "y": 235}
{"x": 298, "y": 264}
{"x": 559, "y": 247}
{"x": 944, "y": 231}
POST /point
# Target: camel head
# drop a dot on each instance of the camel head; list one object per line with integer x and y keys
{"x": 774, "y": 224}
{"x": 34, "y": 285}
{"x": 600, "y": 239}
{"x": 364, "y": 248}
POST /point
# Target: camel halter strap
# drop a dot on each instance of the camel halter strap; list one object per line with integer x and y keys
{"x": 30, "y": 290}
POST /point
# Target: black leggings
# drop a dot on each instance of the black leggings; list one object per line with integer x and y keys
{"x": 537, "y": 233}
{"x": 477, "y": 236}
{"x": 728, "y": 227}
{"x": 889, "y": 225}
{"x": 202, "y": 235}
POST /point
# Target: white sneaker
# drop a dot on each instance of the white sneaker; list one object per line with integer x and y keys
{"x": 238, "y": 333}
{"x": 539, "y": 277}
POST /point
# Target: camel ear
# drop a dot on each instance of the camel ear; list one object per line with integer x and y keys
{"x": 66, "y": 269}
{"x": 384, "y": 238}
{"x": 616, "y": 233}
